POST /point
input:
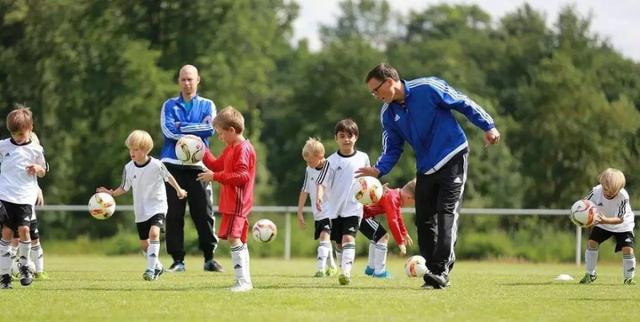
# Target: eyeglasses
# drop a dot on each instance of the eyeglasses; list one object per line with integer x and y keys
{"x": 374, "y": 92}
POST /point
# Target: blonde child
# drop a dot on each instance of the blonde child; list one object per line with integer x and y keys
{"x": 614, "y": 218}
{"x": 146, "y": 175}
{"x": 313, "y": 155}
{"x": 235, "y": 170}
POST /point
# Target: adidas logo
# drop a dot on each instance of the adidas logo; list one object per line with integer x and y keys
{"x": 326, "y": 227}
{"x": 628, "y": 240}
{"x": 600, "y": 204}
{"x": 6, "y": 155}
{"x": 397, "y": 118}
{"x": 351, "y": 229}
{"x": 153, "y": 255}
{"x": 237, "y": 266}
{"x": 631, "y": 269}
{"x": 457, "y": 180}
{"x": 339, "y": 168}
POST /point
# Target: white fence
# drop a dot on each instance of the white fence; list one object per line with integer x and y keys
{"x": 289, "y": 210}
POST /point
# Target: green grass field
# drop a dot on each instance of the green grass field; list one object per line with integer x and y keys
{"x": 86, "y": 288}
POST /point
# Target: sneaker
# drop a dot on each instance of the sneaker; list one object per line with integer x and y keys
{"x": 437, "y": 281}
{"x": 213, "y": 266}
{"x": 148, "y": 275}
{"x": 5, "y": 281}
{"x": 629, "y": 281}
{"x": 385, "y": 275}
{"x": 331, "y": 271}
{"x": 158, "y": 271}
{"x": 25, "y": 275}
{"x": 344, "y": 279}
{"x": 176, "y": 267}
{"x": 588, "y": 278}
{"x": 41, "y": 276}
{"x": 241, "y": 287}
{"x": 368, "y": 271}
{"x": 320, "y": 274}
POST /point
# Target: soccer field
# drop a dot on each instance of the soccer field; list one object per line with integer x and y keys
{"x": 112, "y": 289}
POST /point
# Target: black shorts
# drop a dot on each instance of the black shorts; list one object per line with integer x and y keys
{"x": 372, "y": 229}
{"x": 322, "y": 225}
{"x": 34, "y": 232}
{"x": 344, "y": 226}
{"x": 623, "y": 239}
{"x": 145, "y": 226}
{"x": 15, "y": 215}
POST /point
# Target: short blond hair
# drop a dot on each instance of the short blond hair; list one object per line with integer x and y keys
{"x": 313, "y": 146}
{"x": 612, "y": 180}
{"x": 228, "y": 118}
{"x": 410, "y": 188}
{"x": 139, "y": 139}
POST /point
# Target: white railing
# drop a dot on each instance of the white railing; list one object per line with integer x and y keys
{"x": 288, "y": 210}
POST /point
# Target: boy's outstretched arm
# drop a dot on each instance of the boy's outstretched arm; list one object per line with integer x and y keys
{"x": 179, "y": 191}
{"x": 302, "y": 199}
{"x": 115, "y": 193}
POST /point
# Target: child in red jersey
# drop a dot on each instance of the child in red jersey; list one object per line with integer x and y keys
{"x": 235, "y": 170}
{"x": 390, "y": 204}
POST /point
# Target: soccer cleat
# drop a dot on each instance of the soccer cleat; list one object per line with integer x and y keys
{"x": 588, "y": 278}
{"x": 158, "y": 271}
{"x": 41, "y": 276}
{"x": 241, "y": 287}
{"x": 437, "y": 281}
{"x": 176, "y": 267}
{"x": 25, "y": 275}
{"x": 344, "y": 279}
{"x": 629, "y": 281}
{"x": 320, "y": 274}
{"x": 148, "y": 275}
{"x": 5, "y": 281}
{"x": 384, "y": 275}
{"x": 331, "y": 271}
{"x": 213, "y": 266}
{"x": 368, "y": 271}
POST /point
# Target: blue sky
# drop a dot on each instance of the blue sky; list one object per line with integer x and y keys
{"x": 616, "y": 20}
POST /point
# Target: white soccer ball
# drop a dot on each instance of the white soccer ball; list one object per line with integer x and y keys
{"x": 102, "y": 205}
{"x": 416, "y": 266}
{"x": 190, "y": 149}
{"x": 15, "y": 268}
{"x": 368, "y": 190}
{"x": 583, "y": 212}
{"x": 264, "y": 230}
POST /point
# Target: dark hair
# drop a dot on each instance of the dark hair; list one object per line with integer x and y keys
{"x": 347, "y": 126}
{"x": 382, "y": 72}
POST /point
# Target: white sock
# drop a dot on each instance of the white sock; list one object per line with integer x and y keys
{"x": 37, "y": 257}
{"x": 24, "y": 251}
{"x": 5, "y": 257}
{"x": 239, "y": 262}
{"x": 323, "y": 253}
{"x": 381, "y": 258}
{"x": 152, "y": 254}
{"x": 590, "y": 259}
{"x": 372, "y": 254}
{"x": 246, "y": 264}
{"x": 330, "y": 261}
{"x": 348, "y": 256}
{"x": 629, "y": 264}
{"x": 339, "y": 256}
{"x": 13, "y": 250}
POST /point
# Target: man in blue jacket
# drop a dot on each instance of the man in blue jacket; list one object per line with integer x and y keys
{"x": 419, "y": 112}
{"x": 188, "y": 113}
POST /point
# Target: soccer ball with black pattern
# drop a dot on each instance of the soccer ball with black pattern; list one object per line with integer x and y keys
{"x": 264, "y": 230}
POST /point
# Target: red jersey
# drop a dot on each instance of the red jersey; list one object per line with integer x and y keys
{"x": 390, "y": 205}
{"x": 235, "y": 169}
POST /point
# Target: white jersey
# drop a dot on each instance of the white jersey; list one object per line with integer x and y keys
{"x": 311, "y": 187}
{"x": 616, "y": 207}
{"x": 147, "y": 181}
{"x": 338, "y": 179}
{"x": 16, "y": 185}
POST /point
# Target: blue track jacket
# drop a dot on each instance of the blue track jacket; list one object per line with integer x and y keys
{"x": 427, "y": 123}
{"x": 198, "y": 121}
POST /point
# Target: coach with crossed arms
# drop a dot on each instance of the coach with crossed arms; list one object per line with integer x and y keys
{"x": 192, "y": 114}
{"x": 419, "y": 112}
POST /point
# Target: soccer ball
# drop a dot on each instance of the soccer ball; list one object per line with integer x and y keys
{"x": 416, "y": 266}
{"x": 583, "y": 212}
{"x": 190, "y": 149}
{"x": 368, "y": 190}
{"x": 15, "y": 268}
{"x": 102, "y": 205}
{"x": 264, "y": 230}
